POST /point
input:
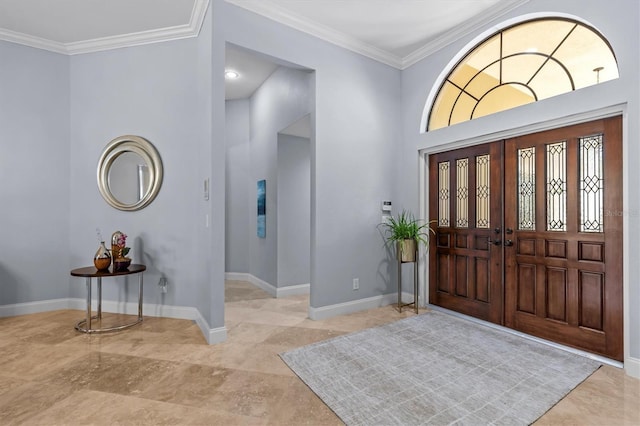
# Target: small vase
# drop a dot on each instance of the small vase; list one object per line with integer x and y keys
{"x": 121, "y": 264}
{"x": 102, "y": 259}
{"x": 115, "y": 248}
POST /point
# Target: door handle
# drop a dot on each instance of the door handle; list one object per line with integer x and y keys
{"x": 494, "y": 242}
{"x": 508, "y": 243}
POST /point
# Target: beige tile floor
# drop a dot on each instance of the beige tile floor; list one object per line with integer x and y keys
{"x": 163, "y": 372}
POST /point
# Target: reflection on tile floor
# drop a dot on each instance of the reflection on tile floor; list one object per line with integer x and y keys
{"x": 163, "y": 372}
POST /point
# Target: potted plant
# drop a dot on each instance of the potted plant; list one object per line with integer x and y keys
{"x": 406, "y": 232}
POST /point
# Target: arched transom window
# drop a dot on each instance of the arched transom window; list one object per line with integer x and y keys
{"x": 521, "y": 64}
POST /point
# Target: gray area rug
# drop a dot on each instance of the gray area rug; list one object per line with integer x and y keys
{"x": 437, "y": 369}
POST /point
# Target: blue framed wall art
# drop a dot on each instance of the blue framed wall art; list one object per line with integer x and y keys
{"x": 262, "y": 208}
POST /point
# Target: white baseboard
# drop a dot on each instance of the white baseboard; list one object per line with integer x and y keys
{"x": 290, "y": 290}
{"x": 325, "y": 312}
{"x": 216, "y": 335}
{"x": 237, "y": 276}
{"x": 632, "y": 367}
{"x": 271, "y": 289}
{"x": 212, "y": 335}
{"x": 241, "y": 276}
{"x": 33, "y": 307}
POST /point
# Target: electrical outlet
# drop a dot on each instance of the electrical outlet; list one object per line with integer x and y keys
{"x": 356, "y": 283}
{"x": 163, "y": 284}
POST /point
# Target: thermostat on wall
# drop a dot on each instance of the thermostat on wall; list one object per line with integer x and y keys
{"x": 386, "y": 206}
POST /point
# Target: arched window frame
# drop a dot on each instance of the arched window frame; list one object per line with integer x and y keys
{"x": 486, "y": 35}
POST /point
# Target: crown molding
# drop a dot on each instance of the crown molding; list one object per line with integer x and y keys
{"x": 116, "y": 42}
{"x": 468, "y": 27}
{"x": 32, "y": 41}
{"x": 271, "y": 11}
{"x": 145, "y": 37}
{"x": 279, "y": 14}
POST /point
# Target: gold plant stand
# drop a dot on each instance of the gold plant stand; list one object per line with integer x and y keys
{"x": 415, "y": 280}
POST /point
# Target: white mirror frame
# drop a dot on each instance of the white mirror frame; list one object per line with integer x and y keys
{"x": 146, "y": 150}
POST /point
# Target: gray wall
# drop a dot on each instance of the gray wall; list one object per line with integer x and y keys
{"x": 282, "y": 99}
{"x": 58, "y": 113}
{"x": 239, "y": 197}
{"x": 353, "y": 154}
{"x": 34, "y": 175}
{"x": 163, "y": 93}
{"x": 294, "y": 210}
{"x": 619, "y": 25}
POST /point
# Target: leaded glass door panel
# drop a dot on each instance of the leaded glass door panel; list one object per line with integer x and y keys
{"x": 563, "y": 237}
{"x": 466, "y": 254}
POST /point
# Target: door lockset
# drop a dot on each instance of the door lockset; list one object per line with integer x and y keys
{"x": 494, "y": 242}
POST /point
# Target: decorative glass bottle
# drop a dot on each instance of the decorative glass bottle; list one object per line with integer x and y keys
{"x": 102, "y": 259}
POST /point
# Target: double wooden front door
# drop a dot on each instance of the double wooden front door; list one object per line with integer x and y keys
{"x": 529, "y": 234}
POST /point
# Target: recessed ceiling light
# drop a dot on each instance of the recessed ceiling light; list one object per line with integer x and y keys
{"x": 231, "y": 75}
{"x": 531, "y": 50}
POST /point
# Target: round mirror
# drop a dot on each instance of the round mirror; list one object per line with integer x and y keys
{"x": 129, "y": 173}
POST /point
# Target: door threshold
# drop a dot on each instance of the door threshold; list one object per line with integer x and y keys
{"x": 599, "y": 358}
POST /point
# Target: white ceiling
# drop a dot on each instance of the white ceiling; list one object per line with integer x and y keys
{"x": 70, "y": 21}
{"x": 396, "y": 32}
{"x": 81, "y": 26}
{"x": 253, "y": 69}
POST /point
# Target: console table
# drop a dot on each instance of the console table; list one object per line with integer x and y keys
{"x": 90, "y": 272}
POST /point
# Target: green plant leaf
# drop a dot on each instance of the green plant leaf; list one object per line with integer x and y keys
{"x": 405, "y": 226}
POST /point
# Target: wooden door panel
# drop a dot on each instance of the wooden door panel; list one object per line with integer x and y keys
{"x": 462, "y": 276}
{"x": 442, "y": 272}
{"x": 591, "y": 251}
{"x": 468, "y": 274}
{"x": 556, "y": 294}
{"x": 526, "y": 245}
{"x": 561, "y": 281}
{"x": 591, "y": 300}
{"x": 481, "y": 284}
{"x": 557, "y": 331}
{"x": 526, "y": 288}
{"x": 556, "y": 249}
